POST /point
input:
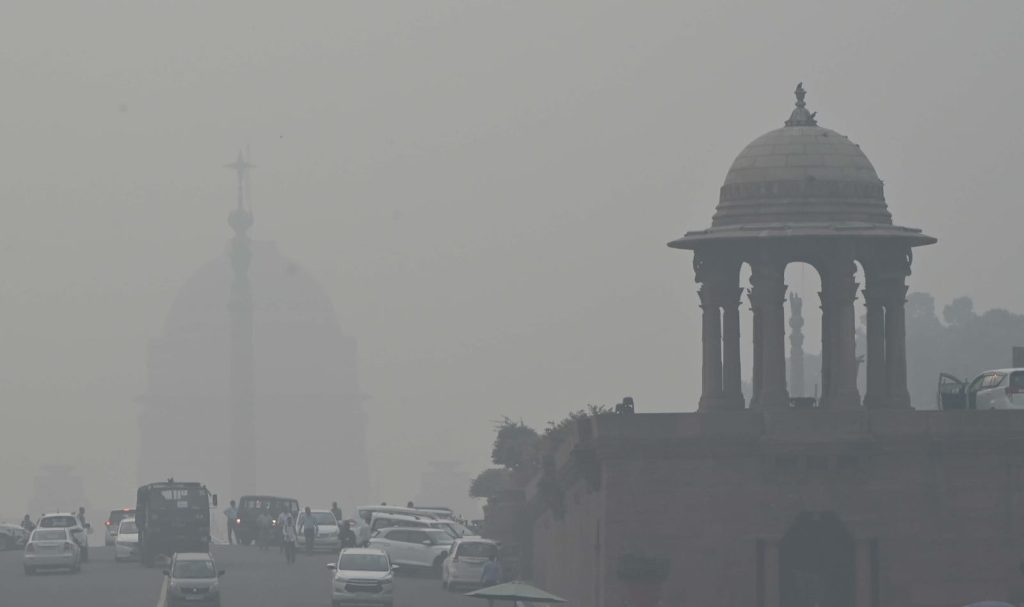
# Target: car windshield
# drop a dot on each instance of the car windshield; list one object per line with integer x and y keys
{"x": 55, "y": 522}
{"x": 439, "y": 537}
{"x": 49, "y": 535}
{"x": 324, "y": 518}
{"x": 180, "y": 498}
{"x": 480, "y": 549}
{"x": 363, "y": 562}
{"x": 193, "y": 570}
{"x": 128, "y": 527}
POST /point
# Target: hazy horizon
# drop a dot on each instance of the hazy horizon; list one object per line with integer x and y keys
{"x": 485, "y": 190}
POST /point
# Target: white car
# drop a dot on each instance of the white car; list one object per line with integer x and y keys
{"x": 455, "y": 527}
{"x": 995, "y": 389}
{"x": 362, "y": 576}
{"x": 126, "y": 547}
{"x": 12, "y": 536}
{"x": 193, "y": 579}
{"x": 382, "y": 520}
{"x": 67, "y": 520}
{"x": 115, "y": 518}
{"x": 465, "y": 563}
{"x": 414, "y": 546}
{"x": 52, "y": 547}
{"x": 327, "y": 536}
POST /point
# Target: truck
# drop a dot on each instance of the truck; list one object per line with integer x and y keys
{"x": 172, "y": 517}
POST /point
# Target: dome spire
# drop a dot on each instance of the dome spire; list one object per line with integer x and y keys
{"x": 800, "y": 116}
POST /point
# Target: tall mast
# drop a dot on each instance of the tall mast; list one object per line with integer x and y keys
{"x": 241, "y": 422}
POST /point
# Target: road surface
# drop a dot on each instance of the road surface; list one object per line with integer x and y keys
{"x": 253, "y": 578}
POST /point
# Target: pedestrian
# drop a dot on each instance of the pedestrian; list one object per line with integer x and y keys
{"x": 336, "y": 511}
{"x": 309, "y": 529}
{"x": 491, "y": 574}
{"x": 410, "y": 504}
{"x": 347, "y": 536}
{"x": 231, "y": 512}
{"x": 81, "y": 517}
{"x": 27, "y": 524}
{"x": 288, "y": 537}
{"x": 264, "y": 523}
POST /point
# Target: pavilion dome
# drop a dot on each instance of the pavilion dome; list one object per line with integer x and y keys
{"x": 801, "y": 180}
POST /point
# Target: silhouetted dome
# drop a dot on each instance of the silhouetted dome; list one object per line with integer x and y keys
{"x": 801, "y": 180}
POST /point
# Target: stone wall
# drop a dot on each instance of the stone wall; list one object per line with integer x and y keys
{"x": 932, "y": 502}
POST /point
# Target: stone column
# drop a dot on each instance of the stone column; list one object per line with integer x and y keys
{"x": 732, "y": 378}
{"x": 875, "y": 394}
{"x": 711, "y": 337}
{"x": 839, "y": 290}
{"x": 755, "y": 370}
{"x": 896, "y": 346}
{"x": 768, "y": 295}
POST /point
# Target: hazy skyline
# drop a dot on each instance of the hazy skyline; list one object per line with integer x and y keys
{"x": 484, "y": 189}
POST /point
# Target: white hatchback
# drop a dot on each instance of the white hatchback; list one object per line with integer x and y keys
{"x": 126, "y": 546}
{"x": 414, "y": 546}
{"x": 464, "y": 566}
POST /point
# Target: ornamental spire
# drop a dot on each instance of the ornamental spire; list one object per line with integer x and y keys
{"x": 800, "y": 116}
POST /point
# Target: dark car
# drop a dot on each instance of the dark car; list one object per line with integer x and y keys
{"x": 250, "y": 507}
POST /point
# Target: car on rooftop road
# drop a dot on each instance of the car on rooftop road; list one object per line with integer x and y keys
{"x": 995, "y": 389}
{"x": 52, "y": 548}
{"x": 362, "y": 576}
{"x": 193, "y": 579}
{"x": 127, "y": 546}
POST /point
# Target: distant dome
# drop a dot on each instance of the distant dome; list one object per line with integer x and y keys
{"x": 801, "y": 180}
{"x": 801, "y": 174}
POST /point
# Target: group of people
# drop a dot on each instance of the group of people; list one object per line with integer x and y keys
{"x": 286, "y": 521}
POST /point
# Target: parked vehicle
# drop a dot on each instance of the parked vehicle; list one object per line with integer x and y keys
{"x": 995, "y": 389}
{"x": 362, "y": 531}
{"x": 366, "y": 512}
{"x": 67, "y": 520}
{"x": 52, "y": 548}
{"x": 362, "y": 576}
{"x": 193, "y": 579}
{"x": 12, "y": 536}
{"x": 464, "y": 565}
{"x": 172, "y": 517}
{"x": 327, "y": 533}
{"x": 456, "y": 528}
{"x": 250, "y": 507}
{"x": 439, "y": 512}
{"x": 382, "y": 521}
{"x": 414, "y": 546}
{"x": 127, "y": 546}
{"x": 115, "y": 518}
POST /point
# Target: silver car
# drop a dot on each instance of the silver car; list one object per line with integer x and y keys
{"x": 52, "y": 548}
{"x": 327, "y": 535}
{"x": 193, "y": 579}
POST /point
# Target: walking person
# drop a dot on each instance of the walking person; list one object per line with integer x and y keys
{"x": 27, "y": 524}
{"x": 491, "y": 575}
{"x": 336, "y": 511}
{"x": 309, "y": 529}
{"x": 231, "y": 512}
{"x": 288, "y": 537}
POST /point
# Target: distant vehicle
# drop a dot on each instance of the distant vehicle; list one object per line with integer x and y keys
{"x": 172, "y": 517}
{"x": 995, "y": 389}
{"x": 327, "y": 532}
{"x": 382, "y": 520}
{"x": 67, "y": 520}
{"x": 110, "y": 536}
{"x": 362, "y": 576}
{"x": 250, "y": 507}
{"x": 437, "y": 511}
{"x": 193, "y": 579}
{"x": 12, "y": 536}
{"x": 414, "y": 546}
{"x": 366, "y": 512}
{"x": 127, "y": 546}
{"x": 52, "y": 548}
{"x": 464, "y": 566}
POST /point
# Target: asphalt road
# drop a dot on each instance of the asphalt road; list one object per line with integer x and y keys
{"x": 253, "y": 578}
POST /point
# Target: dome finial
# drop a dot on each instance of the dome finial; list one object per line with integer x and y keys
{"x": 800, "y": 116}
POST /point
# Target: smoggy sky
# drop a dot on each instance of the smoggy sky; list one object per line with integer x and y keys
{"x": 484, "y": 188}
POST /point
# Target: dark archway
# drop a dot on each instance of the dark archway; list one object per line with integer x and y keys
{"x": 817, "y": 563}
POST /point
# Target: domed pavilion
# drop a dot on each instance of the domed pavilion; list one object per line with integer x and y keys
{"x": 803, "y": 193}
